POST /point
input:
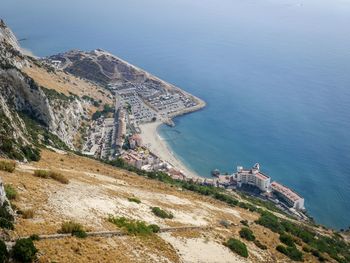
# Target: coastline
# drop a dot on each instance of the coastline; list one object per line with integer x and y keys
{"x": 156, "y": 144}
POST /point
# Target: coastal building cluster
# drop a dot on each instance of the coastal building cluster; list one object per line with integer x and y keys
{"x": 256, "y": 182}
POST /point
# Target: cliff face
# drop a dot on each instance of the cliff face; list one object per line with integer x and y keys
{"x": 20, "y": 94}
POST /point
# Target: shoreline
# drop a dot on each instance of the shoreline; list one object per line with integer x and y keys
{"x": 158, "y": 146}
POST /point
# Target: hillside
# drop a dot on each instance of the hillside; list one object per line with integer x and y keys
{"x": 77, "y": 209}
{"x": 96, "y": 190}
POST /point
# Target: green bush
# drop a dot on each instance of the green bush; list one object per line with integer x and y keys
{"x": 79, "y": 234}
{"x": 35, "y": 237}
{"x": 287, "y": 239}
{"x": 134, "y": 199}
{"x": 155, "y": 228}
{"x": 73, "y": 228}
{"x": 4, "y": 254}
{"x": 270, "y": 221}
{"x": 244, "y": 222}
{"x": 161, "y": 213}
{"x": 7, "y": 166}
{"x": 237, "y": 246}
{"x": 134, "y": 227}
{"x": 6, "y": 218}
{"x": 24, "y": 250}
{"x": 4, "y": 223}
{"x": 11, "y": 192}
{"x": 292, "y": 252}
{"x": 247, "y": 234}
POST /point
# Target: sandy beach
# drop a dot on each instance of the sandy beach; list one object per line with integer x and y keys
{"x": 159, "y": 147}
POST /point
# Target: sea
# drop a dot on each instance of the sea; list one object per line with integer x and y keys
{"x": 275, "y": 75}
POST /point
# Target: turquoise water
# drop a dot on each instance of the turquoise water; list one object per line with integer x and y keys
{"x": 275, "y": 75}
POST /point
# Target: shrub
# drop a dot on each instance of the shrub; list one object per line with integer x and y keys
{"x": 79, "y": 234}
{"x": 237, "y": 246}
{"x": 59, "y": 177}
{"x": 42, "y": 174}
{"x": 73, "y": 228}
{"x": 4, "y": 254}
{"x": 134, "y": 199}
{"x": 260, "y": 245}
{"x": 292, "y": 252}
{"x": 270, "y": 221}
{"x": 4, "y": 223}
{"x": 24, "y": 250}
{"x": 6, "y": 218}
{"x": 134, "y": 227}
{"x": 7, "y": 166}
{"x": 35, "y": 237}
{"x": 247, "y": 234}
{"x": 161, "y": 213}
{"x": 155, "y": 228}
{"x": 287, "y": 239}
{"x": 306, "y": 249}
{"x": 51, "y": 174}
{"x": 244, "y": 222}
{"x": 28, "y": 213}
{"x": 11, "y": 192}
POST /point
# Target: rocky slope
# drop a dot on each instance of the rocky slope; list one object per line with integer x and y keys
{"x": 22, "y": 97}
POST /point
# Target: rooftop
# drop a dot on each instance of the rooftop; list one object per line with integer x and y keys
{"x": 285, "y": 191}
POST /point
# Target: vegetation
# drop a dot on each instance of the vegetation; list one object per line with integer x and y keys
{"x": 7, "y": 166}
{"x": 11, "y": 192}
{"x": 260, "y": 245}
{"x": 51, "y": 174}
{"x": 134, "y": 199}
{"x": 244, "y": 222}
{"x": 212, "y": 191}
{"x": 287, "y": 239}
{"x": 92, "y": 100}
{"x": 161, "y": 213}
{"x": 73, "y": 228}
{"x": 52, "y": 94}
{"x": 40, "y": 134}
{"x": 237, "y": 246}
{"x": 107, "y": 109}
{"x": 28, "y": 213}
{"x": 247, "y": 234}
{"x": 4, "y": 254}
{"x": 134, "y": 227}
{"x": 6, "y": 218}
{"x": 292, "y": 252}
{"x": 35, "y": 237}
{"x": 334, "y": 246}
{"x": 14, "y": 149}
{"x": 24, "y": 250}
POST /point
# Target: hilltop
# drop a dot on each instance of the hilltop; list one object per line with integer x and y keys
{"x": 78, "y": 209}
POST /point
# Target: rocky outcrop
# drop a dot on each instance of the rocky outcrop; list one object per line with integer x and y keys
{"x": 61, "y": 115}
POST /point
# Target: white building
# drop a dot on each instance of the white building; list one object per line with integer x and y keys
{"x": 253, "y": 177}
{"x": 289, "y": 196}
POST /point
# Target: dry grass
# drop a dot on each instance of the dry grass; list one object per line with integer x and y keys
{"x": 28, "y": 213}
{"x": 103, "y": 183}
{"x": 51, "y": 174}
{"x": 7, "y": 166}
{"x": 67, "y": 83}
